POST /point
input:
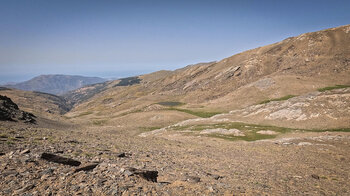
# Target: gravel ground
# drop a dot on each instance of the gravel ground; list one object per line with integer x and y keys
{"x": 294, "y": 164}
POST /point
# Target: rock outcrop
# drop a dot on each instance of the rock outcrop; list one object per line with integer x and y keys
{"x": 9, "y": 111}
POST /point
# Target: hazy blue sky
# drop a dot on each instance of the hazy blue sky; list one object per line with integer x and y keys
{"x": 129, "y": 37}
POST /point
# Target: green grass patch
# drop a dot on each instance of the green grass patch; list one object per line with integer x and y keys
{"x": 234, "y": 125}
{"x": 147, "y": 129}
{"x": 170, "y": 103}
{"x": 332, "y": 87}
{"x": 249, "y": 138}
{"x": 278, "y": 99}
{"x": 129, "y": 112}
{"x": 249, "y": 130}
{"x": 201, "y": 114}
{"x": 330, "y": 130}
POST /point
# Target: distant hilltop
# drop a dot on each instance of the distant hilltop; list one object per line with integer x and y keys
{"x": 55, "y": 84}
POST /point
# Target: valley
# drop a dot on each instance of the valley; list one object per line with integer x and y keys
{"x": 274, "y": 120}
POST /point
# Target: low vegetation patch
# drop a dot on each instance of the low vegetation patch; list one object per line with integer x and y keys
{"x": 148, "y": 129}
{"x": 252, "y": 132}
{"x": 201, "y": 114}
{"x": 332, "y": 87}
{"x": 248, "y": 138}
{"x": 278, "y": 99}
{"x": 331, "y": 130}
{"x": 129, "y": 112}
{"x": 170, "y": 103}
{"x": 236, "y": 125}
{"x": 129, "y": 81}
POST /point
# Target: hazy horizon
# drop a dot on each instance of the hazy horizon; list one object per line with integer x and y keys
{"x": 123, "y": 38}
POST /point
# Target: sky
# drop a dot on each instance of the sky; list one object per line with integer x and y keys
{"x": 130, "y": 37}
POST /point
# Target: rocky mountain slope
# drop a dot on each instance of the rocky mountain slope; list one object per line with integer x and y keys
{"x": 294, "y": 66}
{"x": 56, "y": 84}
{"x": 311, "y": 112}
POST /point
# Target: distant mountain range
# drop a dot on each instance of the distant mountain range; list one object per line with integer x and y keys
{"x": 56, "y": 84}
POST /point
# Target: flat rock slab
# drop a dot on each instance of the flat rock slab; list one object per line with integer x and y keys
{"x": 267, "y": 132}
{"x": 58, "y": 159}
{"x": 234, "y": 132}
{"x": 145, "y": 174}
{"x": 86, "y": 167}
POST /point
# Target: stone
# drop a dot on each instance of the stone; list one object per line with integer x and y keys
{"x": 234, "y": 132}
{"x": 25, "y": 189}
{"x": 267, "y": 132}
{"x": 25, "y": 151}
{"x": 304, "y": 144}
{"x": 193, "y": 179}
{"x": 58, "y": 159}
{"x": 87, "y": 167}
{"x": 315, "y": 176}
{"x": 216, "y": 177}
{"x": 9, "y": 173}
{"x": 145, "y": 174}
{"x": 121, "y": 155}
{"x": 48, "y": 171}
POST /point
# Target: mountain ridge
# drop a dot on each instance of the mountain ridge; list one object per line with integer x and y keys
{"x": 56, "y": 83}
{"x": 293, "y": 66}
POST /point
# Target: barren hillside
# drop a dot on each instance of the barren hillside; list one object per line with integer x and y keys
{"x": 294, "y": 66}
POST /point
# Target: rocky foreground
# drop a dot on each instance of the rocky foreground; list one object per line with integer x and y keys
{"x": 108, "y": 161}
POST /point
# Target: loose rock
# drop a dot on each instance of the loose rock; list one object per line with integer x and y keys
{"x": 145, "y": 174}
{"x": 59, "y": 159}
{"x": 122, "y": 155}
{"x": 315, "y": 176}
{"x": 193, "y": 179}
{"x": 87, "y": 167}
{"x": 25, "y": 151}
